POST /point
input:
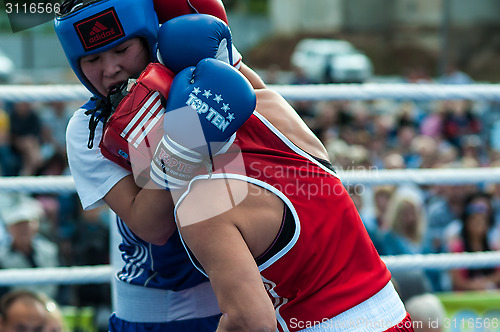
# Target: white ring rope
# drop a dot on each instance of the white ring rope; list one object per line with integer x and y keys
{"x": 370, "y": 91}
{"x": 103, "y": 273}
{"x": 95, "y": 274}
{"x": 38, "y": 184}
{"x": 445, "y": 261}
{"x": 421, "y": 176}
{"x": 44, "y": 93}
{"x": 367, "y": 91}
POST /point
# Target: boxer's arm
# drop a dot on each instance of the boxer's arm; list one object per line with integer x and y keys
{"x": 147, "y": 212}
{"x": 218, "y": 244}
{"x": 252, "y": 76}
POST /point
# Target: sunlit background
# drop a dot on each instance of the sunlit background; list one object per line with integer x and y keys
{"x": 317, "y": 41}
{"x": 401, "y": 38}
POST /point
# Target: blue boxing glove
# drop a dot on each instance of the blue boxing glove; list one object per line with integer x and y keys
{"x": 205, "y": 107}
{"x": 185, "y": 40}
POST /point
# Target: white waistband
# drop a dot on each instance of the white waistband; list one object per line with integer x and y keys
{"x": 152, "y": 305}
{"x": 379, "y": 313}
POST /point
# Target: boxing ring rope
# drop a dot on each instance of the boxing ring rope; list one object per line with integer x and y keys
{"x": 103, "y": 273}
{"x": 368, "y": 91}
{"x": 369, "y": 177}
{"x": 419, "y": 176}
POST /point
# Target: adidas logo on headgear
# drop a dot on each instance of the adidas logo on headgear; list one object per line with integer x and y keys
{"x": 98, "y": 27}
{"x": 99, "y": 30}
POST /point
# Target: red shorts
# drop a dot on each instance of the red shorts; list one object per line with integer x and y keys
{"x": 406, "y": 325}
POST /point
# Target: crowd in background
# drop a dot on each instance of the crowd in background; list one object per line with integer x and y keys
{"x": 404, "y": 134}
{"x": 48, "y": 230}
{"x": 359, "y": 135}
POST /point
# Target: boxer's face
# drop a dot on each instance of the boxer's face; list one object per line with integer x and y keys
{"x": 115, "y": 66}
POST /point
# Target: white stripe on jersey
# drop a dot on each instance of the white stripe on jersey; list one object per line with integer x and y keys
{"x": 278, "y": 302}
{"x": 132, "y": 269}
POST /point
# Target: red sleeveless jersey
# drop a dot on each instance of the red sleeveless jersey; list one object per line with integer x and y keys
{"x": 328, "y": 263}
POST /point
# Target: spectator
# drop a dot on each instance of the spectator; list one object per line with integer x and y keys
{"x": 55, "y": 320}
{"x": 443, "y": 207}
{"x": 22, "y": 310}
{"x": 402, "y": 233}
{"x": 472, "y": 150}
{"x": 7, "y": 158}
{"x": 454, "y": 75}
{"x": 494, "y": 191}
{"x": 373, "y": 217}
{"x": 272, "y": 74}
{"x": 90, "y": 244}
{"x": 476, "y": 222}
{"x": 6, "y": 202}
{"x": 405, "y": 136}
{"x": 432, "y": 123}
{"x": 358, "y": 157}
{"x": 458, "y": 121}
{"x": 424, "y": 152}
{"x": 448, "y": 154}
{"x": 417, "y": 75}
{"x": 393, "y": 160}
{"x": 404, "y": 223}
{"x": 54, "y": 122}
{"x": 28, "y": 248}
{"x": 338, "y": 151}
{"x": 325, "y": 123}
{"x": 427, "y": 313}
{"x": 381, "y": 198}
{"x": 383, "y": 126}
{"x": 25, "y": 131}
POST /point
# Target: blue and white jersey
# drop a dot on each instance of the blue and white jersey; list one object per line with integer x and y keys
{"x": 166, "y": 267}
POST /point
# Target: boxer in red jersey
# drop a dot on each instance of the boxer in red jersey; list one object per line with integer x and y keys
{"x": 280, "y": 238}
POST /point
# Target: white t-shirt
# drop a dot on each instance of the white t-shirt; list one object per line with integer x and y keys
{"x": 94, "y": 175}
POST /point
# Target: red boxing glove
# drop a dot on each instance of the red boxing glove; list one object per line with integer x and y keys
{"x": 135, "y": 128}
{"x": 168, "y": 9}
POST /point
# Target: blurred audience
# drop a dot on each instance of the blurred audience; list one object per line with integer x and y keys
{"x": 26, "y": 134}
{"x": 358, "y": 134}
{"x": 423, "y": 152}
{"x": 427, "y": 313}
{"x": 55, "y": 117}
{"x": 28, "y": 248}
{"x": 8, "y": 162}
{"x": 471, "y": 235}
{"x": 404, "y": 223}
{"x": 454, "y": 75}
{"x": 458, "y": 121}
{"x": 55, "y": 319}
{"x": 22, "y": 311}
